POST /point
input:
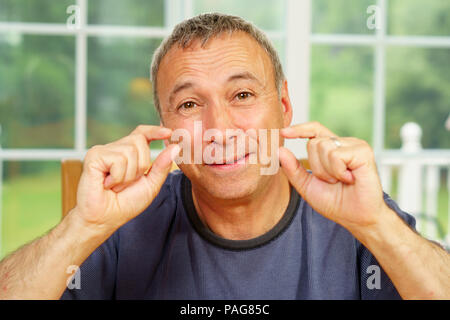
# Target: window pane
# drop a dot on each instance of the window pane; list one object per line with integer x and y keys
{"x": 119, "y": 91}
{"x": 342, "y": 89}
{"x": 31, "y": 202}
{"x": 341, "y": 16}
{"x": 130, "y": 12}
{"x": 419, "y": 17}
{"x": 48, "y": 11}
{"x": 37, "y": 91}
{"x": 266, "y": 14}
{"x": 417, "y": 90}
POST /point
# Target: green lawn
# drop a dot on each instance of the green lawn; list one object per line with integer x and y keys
{"x": 32, "y": 206}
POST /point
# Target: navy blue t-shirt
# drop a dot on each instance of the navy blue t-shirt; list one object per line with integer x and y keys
{"x": 168, "y": 253}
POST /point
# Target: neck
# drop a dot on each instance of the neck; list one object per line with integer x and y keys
{"x": 248, "y": 217}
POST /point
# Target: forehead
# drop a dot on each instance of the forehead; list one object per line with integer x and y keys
{"x": 221, "y": 55}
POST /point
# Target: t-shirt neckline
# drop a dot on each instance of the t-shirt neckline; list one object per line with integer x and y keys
{"x": 215, "y": 239}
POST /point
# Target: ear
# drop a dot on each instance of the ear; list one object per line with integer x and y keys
{"x": 286, "y": 105}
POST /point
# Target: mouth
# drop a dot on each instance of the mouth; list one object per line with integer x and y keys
{"x": 230, "y": 164}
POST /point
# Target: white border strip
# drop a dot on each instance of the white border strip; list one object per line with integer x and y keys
{"x": 38, "y": 154}
{"x": 161, "y": 32}
{"x": 437, "y": 155}
{"x": 91, "y": 30}
{"x": 48, "y": 154}
{"x": 371, "y": 40}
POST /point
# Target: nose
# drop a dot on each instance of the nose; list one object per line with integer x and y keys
{"x": 218, "y": 118}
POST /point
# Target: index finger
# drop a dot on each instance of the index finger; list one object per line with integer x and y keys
{"x": 307, "y": 130}
{"x": 153, "y": 132}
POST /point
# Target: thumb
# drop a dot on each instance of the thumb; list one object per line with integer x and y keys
{"x": 161, "y": 167}
{"x": 294, "y": 170}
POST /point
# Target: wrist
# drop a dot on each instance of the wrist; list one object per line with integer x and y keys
{"x": 388, "y": 231}
{"x": 86, "y": 235}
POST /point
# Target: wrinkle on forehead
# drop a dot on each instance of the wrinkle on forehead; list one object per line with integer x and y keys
{"x": 216, "y": 59}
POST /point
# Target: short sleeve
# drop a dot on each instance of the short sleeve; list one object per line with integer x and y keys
{"x": 406, "y": 217}
{"x": 97, "y": 275}
{"x": 374, "y": 282}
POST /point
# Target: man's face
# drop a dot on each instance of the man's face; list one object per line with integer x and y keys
{"x": 227, "y": 84}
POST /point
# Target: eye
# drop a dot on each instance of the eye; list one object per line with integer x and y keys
{"x": 243, "y": 95}
{"x": 187, "y": 105}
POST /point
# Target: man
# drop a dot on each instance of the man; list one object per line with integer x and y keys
{"x": 221, "y": 229}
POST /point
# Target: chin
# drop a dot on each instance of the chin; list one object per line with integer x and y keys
{"x": 229, "y": 190}
{"x": 227, "y": 186}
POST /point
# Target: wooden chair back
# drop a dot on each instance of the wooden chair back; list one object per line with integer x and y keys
{"x": 70, "y": 177}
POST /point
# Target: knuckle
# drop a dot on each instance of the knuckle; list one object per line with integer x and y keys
{"x": 140, "y": 140}
{"x": 140, "y": 128}
{"x": 317, "y": 169}
{"x": 312, "y": 143}
{"x": 137, "y": 140}
{"x": 323, "y": 144}
{"x": 117, "y": 169}
{"x": 129, "y": 149}
{"x": 92, "y": 153}
{"x": 144, "y": 164}
{"x": 334, "y": 155}
{"x": 366, "y": 145}
{"x": 122, "y": 158}
{"x": 94, "y": 149}
{"x": 321, "y": 129}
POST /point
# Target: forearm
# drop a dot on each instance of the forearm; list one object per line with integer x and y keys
{"x": 39, "y": 270}
{"x": 418, "y": 268}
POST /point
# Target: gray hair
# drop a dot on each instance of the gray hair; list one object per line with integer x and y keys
{"x": 204, "y": 27}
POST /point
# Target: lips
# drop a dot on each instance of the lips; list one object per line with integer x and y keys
{"x": 236, "y": 160}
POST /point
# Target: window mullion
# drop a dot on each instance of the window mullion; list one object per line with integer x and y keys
{"x": 298, "y": 31}
{"x": 174, "y": 12}
{"x": 81, "y": 79}
{"x": 380, "y": 82}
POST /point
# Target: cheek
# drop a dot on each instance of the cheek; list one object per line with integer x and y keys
{"x": 173, "y": 121}
{"x": 246, "y": 120}
{"x": 262, "y": 116}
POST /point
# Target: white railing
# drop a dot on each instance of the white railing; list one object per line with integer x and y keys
{"x": 418, "y": 174}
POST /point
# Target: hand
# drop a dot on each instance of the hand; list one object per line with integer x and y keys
{"x": 114, "y": 186}
{"x": 344, "y": 185}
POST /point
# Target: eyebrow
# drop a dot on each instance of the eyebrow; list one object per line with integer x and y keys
{"x": 239, "y": 76}
{"x": 245, "y": 76}
{"x": 179, "y": 87}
